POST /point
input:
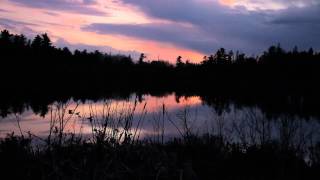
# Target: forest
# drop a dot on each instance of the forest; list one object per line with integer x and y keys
{"x": 36, "y": 75}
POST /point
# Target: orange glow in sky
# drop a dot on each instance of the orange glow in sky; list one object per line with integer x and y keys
{"x": 67, "y": 26}
{"x": 159, "y": 29}
{"x": 227, "y": 2}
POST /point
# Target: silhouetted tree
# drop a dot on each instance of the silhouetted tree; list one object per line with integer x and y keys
{"x": 37, "y": 42}
{"x": 46, "y": 42}
{"x": 5, "y": 37}
{"x": 66, "y": 52}
{"x": 310, "y": 52}
{"x": 221, "y": 57}
{"x": 211, "y": 59}
{"x": 229, "y": 58}
{"x": 179, "y": 63}
{"x": 20, "y": 41}
{"x": 141, "y": 58}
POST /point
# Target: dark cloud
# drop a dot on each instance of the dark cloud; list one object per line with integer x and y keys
{"x": 299, "y": 16}
{"x": 284, "y": 3}
{"x": 82, "y": 7}
{"x": 214, "y": 26}
{"x": 55, "y": 24}
{"x": 177, "y": 34}
{"x": 51, "y": 13}
{"x": 3, "y": 10}
{"x": 9, "y": 22}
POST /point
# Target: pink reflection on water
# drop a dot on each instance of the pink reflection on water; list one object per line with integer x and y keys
{"x": 78, "y": 120}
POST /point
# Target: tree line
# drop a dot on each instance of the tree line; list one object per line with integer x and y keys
{"x": 34, "y": 70}
{"x": 41, "y": 47}
{"x": 32, "y": 60}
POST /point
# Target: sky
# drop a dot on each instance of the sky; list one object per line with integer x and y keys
{"x": 165, "y": 29}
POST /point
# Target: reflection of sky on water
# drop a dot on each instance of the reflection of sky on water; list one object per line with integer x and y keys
{"x": 234, "y": 123}
{"x": 30, "y": 122}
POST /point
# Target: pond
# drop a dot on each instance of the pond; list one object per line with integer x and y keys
{"x": 160, "y": 118}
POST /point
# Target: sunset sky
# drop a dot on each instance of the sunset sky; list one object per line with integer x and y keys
{"x": 165, "y": 29}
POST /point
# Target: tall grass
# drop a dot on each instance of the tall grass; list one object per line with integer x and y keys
{"x": 115, "y": 149}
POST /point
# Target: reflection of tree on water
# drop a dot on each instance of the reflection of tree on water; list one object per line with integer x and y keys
{"x": 242, "y": 137}
{"x": 272, "y": 107}
{"x": 247, "y": 125}
{"x": 278, "y": 82}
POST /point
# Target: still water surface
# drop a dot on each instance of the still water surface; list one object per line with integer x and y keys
{"x": 169, "y": 115}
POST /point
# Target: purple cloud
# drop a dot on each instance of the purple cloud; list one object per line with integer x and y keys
{"x": 3, "y": 10}
{"x": 18, "y": 26}
{"x": 81, "y": 7}
{"x": 215, "y": 25}
{"x": 177, "y": 34}
{"x": 106, "y": 49}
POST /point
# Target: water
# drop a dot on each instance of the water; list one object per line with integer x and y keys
{"x": 161, "y": 118}
{"x": 39, "y": 125}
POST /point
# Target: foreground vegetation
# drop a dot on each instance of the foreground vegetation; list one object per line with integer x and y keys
{"x": 206, "y": 157}
{"x": 115, "y": 150}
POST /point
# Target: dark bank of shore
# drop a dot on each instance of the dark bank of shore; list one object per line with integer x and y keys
{"x": 205, "y": 157}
